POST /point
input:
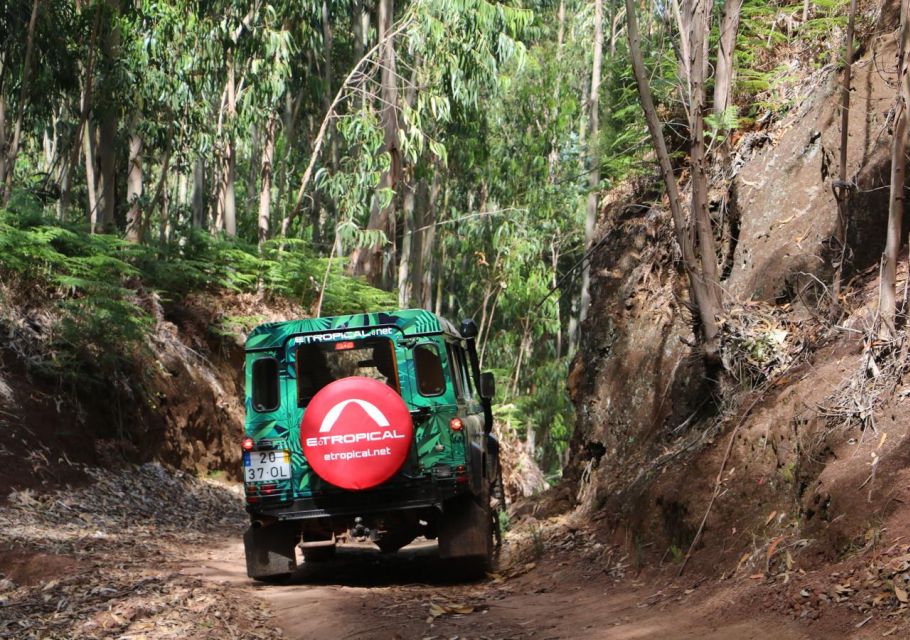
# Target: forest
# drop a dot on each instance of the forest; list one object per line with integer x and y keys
{"x": 283, "y": 149}
{"x": 623, "y": 194}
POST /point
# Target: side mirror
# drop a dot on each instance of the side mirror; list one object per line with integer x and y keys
{"x": 487, "y": 385}
{"x": 468, "y": 329}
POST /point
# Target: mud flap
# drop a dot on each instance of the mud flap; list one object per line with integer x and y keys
{"x": 465, "y": 530}
{"x": 270, "y": 550}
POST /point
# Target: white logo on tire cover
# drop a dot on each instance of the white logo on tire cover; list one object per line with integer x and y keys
{"x": 335, "y": 412}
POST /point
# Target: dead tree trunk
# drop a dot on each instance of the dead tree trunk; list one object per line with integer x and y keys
{"x": 898, "y": 170}
{"x": 704, "y": 291}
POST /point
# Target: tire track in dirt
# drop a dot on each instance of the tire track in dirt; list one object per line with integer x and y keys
{"x": 362, "y": 594}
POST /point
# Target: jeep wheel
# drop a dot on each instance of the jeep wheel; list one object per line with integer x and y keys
{"x": 466, "y": 534}
{"x": 270, "y": 551}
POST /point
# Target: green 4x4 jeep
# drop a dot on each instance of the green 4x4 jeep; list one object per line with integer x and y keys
{"x": 373, "y": 425}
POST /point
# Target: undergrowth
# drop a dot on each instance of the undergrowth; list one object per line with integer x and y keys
{"x": 82, "y": 295}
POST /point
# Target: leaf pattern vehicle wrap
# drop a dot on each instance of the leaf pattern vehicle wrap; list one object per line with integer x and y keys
{"x": 436, "y": 446}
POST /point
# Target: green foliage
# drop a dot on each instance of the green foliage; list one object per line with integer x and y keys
{"x": 95, "y": 283}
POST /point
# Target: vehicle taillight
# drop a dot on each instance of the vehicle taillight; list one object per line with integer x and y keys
{"x": 247, "y": 444}
{"x": 456, "y": 424}
{"x": 343, "y": 346}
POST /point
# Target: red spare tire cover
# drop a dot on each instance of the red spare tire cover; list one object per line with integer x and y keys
{"x": 356, "y": 433}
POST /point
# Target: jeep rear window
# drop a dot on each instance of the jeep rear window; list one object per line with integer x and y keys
{"x": 430, "y": 379}
{"x": 265, "y": 384}
{"x": 324, "y": 362}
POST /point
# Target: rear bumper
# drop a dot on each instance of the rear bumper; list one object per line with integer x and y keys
{"x": 358, "y": 503}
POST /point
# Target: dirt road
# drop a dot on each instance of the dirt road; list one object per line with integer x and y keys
{"x": 363, "y": 594}
{"x": 123, "y": 558}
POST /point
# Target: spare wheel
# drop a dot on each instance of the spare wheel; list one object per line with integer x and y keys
{"x": 356, "y": 433}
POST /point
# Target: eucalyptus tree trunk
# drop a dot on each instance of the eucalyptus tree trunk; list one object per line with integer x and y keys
{"x": 593, "y": 162}
{"x": 3, "y": 140}
{"x": 199, "y": 193}
{"x": 887, "y": 298}
{"x": 89, "y": 153}
{"x": 705, "y": 291}
{"x": 723, "y": 68}
{"x": 699, "y": 21}
{"x": 265, "y": 192}
{"x": 85, "y": 102}
{"x": 842, "y": 187}
{"x": 9, "y": 166}
{"x": 553, "y": 157}
{"x": 134, "y": 186}
{"x": 226, "y": 217}
{"x": 107, "y": 133}
{"x": 407, "y": 241}
{"x": 328, "y": 43}
{"x": 428, "y": 240}
{"x": 369, "y": 261}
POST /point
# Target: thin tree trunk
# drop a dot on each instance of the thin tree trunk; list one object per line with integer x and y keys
{"x": 554, "y": 262}
{"x": 164, "y": 224}
{"x": 134, "y": 186}
{"x": 593, "y": 162}
{"x": 13, "y": 152}
{"x": 228, "y": 201}
{"x": 707, "y": 250}
{"x": 369, "y": 261}
{"x": 255, "y": 167}
{"x": 199, "y": 193}
{"x": 703, "y": 291}
{"x": 724, "y": 70}
{"x": 85, "y": 103}
{"x": 898, "y": 172}
{"x": 842, "y": 187}
{"x": 557, "y": 90}
{"x": 160, "y": 198}
{"x": 428, "y": 239}
{"x": 3, "y": 142}
{"x": 107, "y": 133}
{"x": 328, "y": 43}
{"x": 407, "y": 241}
{"x": 90, "y": 183}
{"x": 265, "y": 193}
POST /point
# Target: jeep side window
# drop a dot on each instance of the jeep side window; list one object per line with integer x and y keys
{"x": 265, "y": 385}
{"x": 455, "y": 368}
{"x": 465, "y": 372}
{"x": 430, "y": 379}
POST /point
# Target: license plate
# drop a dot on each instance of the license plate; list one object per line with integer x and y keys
{"x": 266, "y": 466}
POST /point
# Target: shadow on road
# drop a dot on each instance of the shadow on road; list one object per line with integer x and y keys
{"x": 356, "y": 565}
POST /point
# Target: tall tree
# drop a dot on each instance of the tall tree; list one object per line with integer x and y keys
{"x": 370, "y": 261}
{"x": 593, "y": 161}
{"x": 134, "y": 223}
{"x": 703, "y": 284}
{"x": 842, "y": 187}
{"x": 888, "y": 294}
